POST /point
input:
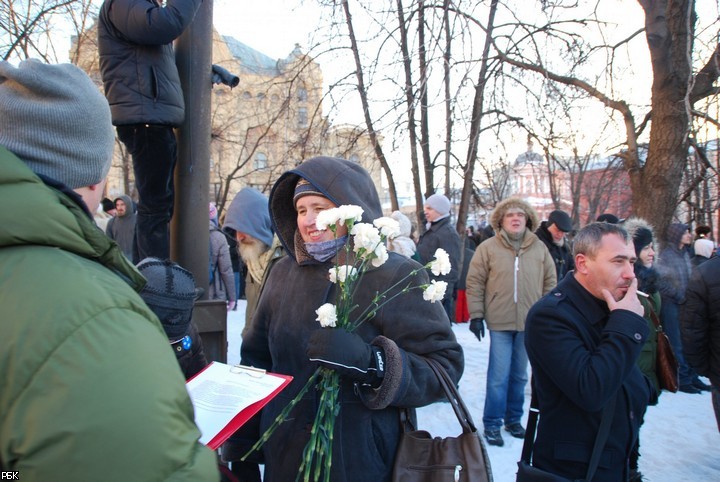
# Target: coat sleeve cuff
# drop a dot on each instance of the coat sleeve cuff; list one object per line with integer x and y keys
{"x": 382, "y": 396}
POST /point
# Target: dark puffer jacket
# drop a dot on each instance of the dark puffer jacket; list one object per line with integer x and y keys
{"x": 700, "y": 321}
{"x": 409, "y": 329}
{"x": 137, "y": 61}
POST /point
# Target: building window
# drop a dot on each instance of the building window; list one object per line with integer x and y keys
{"x": 275, "y": 98}
{"x": 302, "y": 117}
{"x": 260, "y": 96}
{"x": 261, "y": 161}
{"x": 247, "y": 95}
{"x": 302, "y": 94}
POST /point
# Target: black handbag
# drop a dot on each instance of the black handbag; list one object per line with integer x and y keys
{"x": 527, "y": 473}
{"x": 423, "y": 458}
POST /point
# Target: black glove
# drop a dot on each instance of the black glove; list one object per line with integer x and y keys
{"x": 477, "y": 326}
{"x": 347, "y": 354}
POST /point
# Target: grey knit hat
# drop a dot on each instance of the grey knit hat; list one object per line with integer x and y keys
{"x": 55, "y": 119}
{"x": 170, "y": 293}
{"x": 439, "y": 203}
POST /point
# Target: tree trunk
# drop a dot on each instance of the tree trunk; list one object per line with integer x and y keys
{"x": 366, "y": 109}
{"x": 410, "y": 102}
{"x": 476, "y": 119}
{"x": 668, "y": 25}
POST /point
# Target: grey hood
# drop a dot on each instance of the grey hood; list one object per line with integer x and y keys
{"x": 339, "y": 180}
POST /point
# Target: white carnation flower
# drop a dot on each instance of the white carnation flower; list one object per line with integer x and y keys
{"x": 381, "y": 255}
{"x": 435, "y": 291}
{"x": 342, "y": 273}
{"x": 350, "y": 212}
{"x": 327, "y": 316}
{"x": 388, "y": 227}
{"x": 327, "y": 218}
{"x": 441, "y": 264}
{"x": 365, "y": 236}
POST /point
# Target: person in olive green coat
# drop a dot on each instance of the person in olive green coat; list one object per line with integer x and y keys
{"x": 90, "y": 389}
{"x": 648, "y": 281}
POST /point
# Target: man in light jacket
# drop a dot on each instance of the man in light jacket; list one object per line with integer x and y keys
{"x": 508, "y": 273}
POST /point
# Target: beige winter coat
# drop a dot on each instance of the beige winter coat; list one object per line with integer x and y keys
{"x": 503, "y": 284}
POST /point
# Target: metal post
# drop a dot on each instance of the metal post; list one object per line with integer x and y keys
{"x": 189, "y": 233}
{"x": 189, "y": 228}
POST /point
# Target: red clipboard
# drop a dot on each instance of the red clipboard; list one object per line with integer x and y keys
{"x": 246, "y": 413}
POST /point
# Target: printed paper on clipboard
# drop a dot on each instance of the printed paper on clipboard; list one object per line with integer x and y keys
{"x": 226, "y": 396}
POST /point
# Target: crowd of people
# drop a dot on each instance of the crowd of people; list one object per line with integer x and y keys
{"x": 113, "y": 332}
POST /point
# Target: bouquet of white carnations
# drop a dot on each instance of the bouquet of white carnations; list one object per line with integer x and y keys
{"x": 368, "y": 245}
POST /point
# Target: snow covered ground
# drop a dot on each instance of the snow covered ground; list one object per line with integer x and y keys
{"x": 678, "y": 442}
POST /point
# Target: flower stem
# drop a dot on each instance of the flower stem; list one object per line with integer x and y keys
{"x": 282, "y": 416}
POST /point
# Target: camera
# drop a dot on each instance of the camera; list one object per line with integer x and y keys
{"x": 221, "y": 75}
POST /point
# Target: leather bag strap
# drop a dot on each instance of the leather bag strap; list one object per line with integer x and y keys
{"x": 600, "y": 438}
{"x": 453, "y": 396}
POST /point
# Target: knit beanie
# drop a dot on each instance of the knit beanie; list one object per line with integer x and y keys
{"x": 55, "y": 119}
{"x": 704, "y": 247}
{"x": 170, "y": 293}
{"x": 107, "y": 205}
{"x": 439, "y": 203}
{"x": 305, "y": 188}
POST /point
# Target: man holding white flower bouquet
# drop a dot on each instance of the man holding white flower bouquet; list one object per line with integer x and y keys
{"x": 352, "y": 323}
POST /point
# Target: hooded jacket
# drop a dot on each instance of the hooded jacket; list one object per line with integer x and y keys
{"x": 90, "y": 389}
{"x": 121, "y": 229}
{"x": 408, "y": 329}
{"x": 674, "y": 265}
{"x": 137, "y": 60}
{"x": 502, "y": 282}
{"x": 248, "y": 214}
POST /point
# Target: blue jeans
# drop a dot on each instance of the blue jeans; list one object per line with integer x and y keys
{"x": 154, "y": 153}
{"x": 670, "y": 319}
{"x": 506, "y": 379}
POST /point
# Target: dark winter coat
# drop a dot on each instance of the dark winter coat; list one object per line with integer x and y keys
{"x": 190, "y": 353}
{"x": 581, "y": 355}
{"x": 121, "y": 229}
{"x": 222, "y": 286}
{"x": 700, "y": 321}
{"x": 441, "y": 234}
{"x": 674, "y": 265}
{"x": 408, "y": 329}
{"x": 90, "y": 389}
{"x": 137, "y": 61}
{"x": 561, "y": 255}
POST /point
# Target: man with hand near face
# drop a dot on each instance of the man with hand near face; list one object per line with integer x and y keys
{"x": 583, "y": 340}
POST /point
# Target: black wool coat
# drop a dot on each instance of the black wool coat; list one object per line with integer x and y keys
{"x": 700, "y": 321}
{"x": 582, "y": 354}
